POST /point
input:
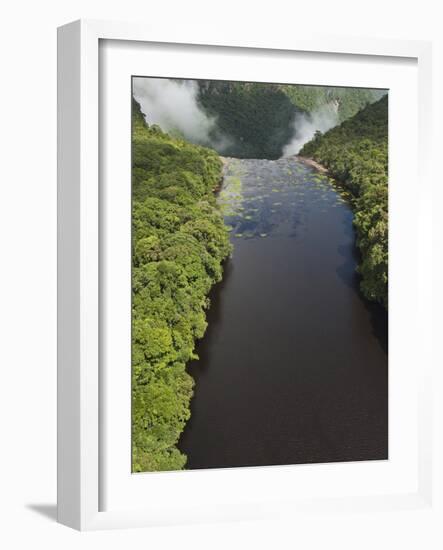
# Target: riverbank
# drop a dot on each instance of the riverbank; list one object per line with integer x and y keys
{"x": 179, "y": 243}
{"x": 217, "y": 188}
{"x": 311, "y": 162}
{"x": 356, "y": 154}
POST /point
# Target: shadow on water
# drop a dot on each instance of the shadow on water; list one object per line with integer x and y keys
{"x": 379, "y": 323}
{"x": 350, "y": 277}
{"x": 346, "y": 271}
{"x": 214, "y": 318}
{"x": 350, "y": 254}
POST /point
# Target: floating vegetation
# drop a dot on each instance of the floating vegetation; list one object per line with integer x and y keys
{"x": 231, "y": 195}
{"x": 247, "y": 197}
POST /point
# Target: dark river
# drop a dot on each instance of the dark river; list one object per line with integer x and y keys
{"x": 293, "y": 367}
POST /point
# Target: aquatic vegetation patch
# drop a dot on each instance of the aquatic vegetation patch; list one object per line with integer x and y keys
{"x": 230, "y": 198}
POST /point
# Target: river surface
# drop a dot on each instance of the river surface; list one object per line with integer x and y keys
{"x": 293, "y": 367}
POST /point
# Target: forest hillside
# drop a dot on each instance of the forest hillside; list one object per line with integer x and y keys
{"x": 261, "y": 119}
{"x": 356, "y": 154}
{"x": 179, "y": 241}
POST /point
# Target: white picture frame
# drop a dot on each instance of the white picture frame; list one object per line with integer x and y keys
{"x": 81, "y": 470}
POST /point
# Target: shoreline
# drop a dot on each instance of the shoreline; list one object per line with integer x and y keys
{"x": 305, "y": 160}
{"x": 216, "y": 190}
{"x": 311, "y": 162}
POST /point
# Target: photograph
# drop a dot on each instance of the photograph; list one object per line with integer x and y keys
{"x": 259, "y": 269}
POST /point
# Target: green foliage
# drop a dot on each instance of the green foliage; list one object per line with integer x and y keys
{"x": 356, "y": 154}
{"x": 258, "y": 118}
{"x": 349, "y": 101}
{"x": 179, "y": 242}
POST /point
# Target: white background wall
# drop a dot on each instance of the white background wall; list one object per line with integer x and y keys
{"x": 28, "y": 269}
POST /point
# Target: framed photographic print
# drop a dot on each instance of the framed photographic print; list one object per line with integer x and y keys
{"x": 244, "y": 325}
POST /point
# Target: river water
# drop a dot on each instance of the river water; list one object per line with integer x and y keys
{"x": 293, "y": 367}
